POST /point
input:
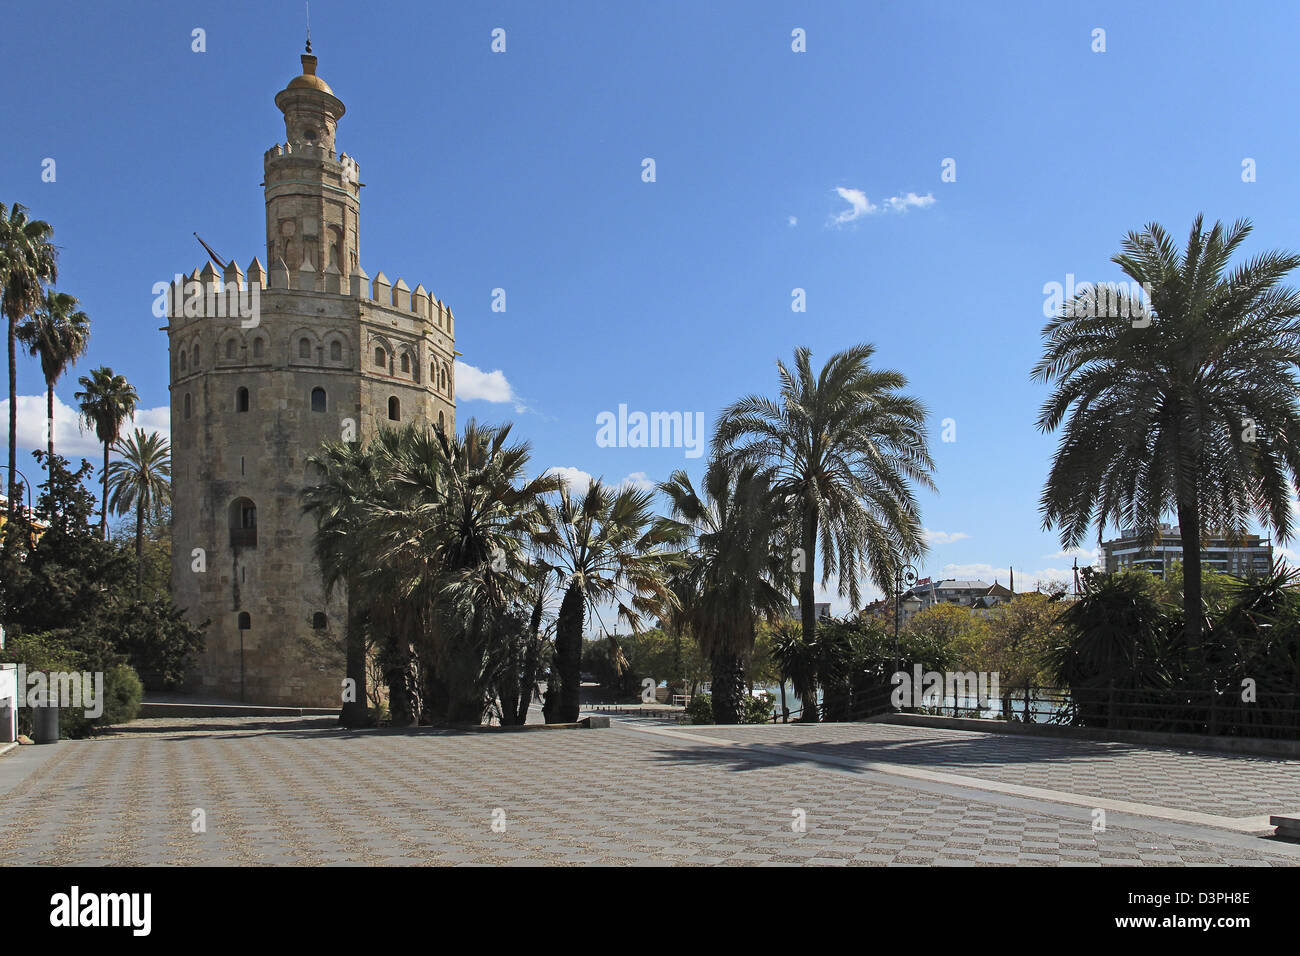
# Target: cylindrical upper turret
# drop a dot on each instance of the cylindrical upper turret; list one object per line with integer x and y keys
{"x": 313, "y": 196}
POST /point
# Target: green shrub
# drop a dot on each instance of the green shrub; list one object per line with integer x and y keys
{"x": 36, "y": 652}
{"x": 122, "y": 694}
{"x": 123, "y": 691}
{"x": 758, "y": 710}
{"x": 157, "y": 640}
{"x": 700, "y": 709}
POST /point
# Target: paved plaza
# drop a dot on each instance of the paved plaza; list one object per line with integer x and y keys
{"x": 643, "y": 791}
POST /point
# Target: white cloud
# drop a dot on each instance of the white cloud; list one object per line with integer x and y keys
{"x": 575, "y": 478}
{"x": 1025, "y": 580}
{"x": 72, "y": 440}
{"x": 910, "y": 201}
{"x": 974, "y": 572}
{"x": 793, "y": 220}
{"x": 1087, "y": 556}
{"x": 578, "y": 480}
{"x": 639, "y": 480}
{"x": 860, "y": 205}
{"x": 943, "y": 537}
{"x": 474, "y": 384}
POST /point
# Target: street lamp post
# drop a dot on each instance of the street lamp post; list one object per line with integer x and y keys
{"x": 27, "y": 486}
{"x": 904, "y": 576}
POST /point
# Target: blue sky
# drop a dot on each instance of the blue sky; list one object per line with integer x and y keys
{"x": 523, "y": 171}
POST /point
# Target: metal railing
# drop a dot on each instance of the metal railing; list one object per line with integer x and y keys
{"x": 851, "y": 706}
{"x": 1212, "y": 712}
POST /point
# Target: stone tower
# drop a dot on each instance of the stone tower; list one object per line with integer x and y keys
{"x": 264, "y": 367}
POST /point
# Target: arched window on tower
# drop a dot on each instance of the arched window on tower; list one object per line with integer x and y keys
{"x": 394, "y": 409}
{"x": 336, "y": 351}
{"x": 241, "y": 400}
{"x": 243, "y": 523}
{"x": 406, "y": 363}
{"x": 258, "y": 347}
{"x": 304, "y": 348}
{"x": 318, "y": 621}
{"x": 442, "y": 424}
{"x": 184, "y": 360}
{"x": 230, "y": 349}
{"x": 318, "y": 399}
{"x": 381, "y": 359}
{"x": 195, "y": 363}
{"x": 245, "y": 621}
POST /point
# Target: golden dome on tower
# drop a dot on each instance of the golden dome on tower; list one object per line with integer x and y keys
{"x": 309, "y": 80}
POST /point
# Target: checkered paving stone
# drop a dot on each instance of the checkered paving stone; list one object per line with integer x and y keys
{"x": 1229, "y": 785}
{"x": 303, "y": 792}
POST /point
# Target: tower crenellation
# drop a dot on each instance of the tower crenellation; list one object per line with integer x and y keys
{"x": 266, "y": 364}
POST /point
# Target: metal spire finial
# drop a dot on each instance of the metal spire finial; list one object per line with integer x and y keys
{"x": 308, "y": 26}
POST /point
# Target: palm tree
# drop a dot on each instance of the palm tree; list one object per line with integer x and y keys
{"x": 845, "y": 445}
{"x": 58, "y": 334}
{"x": 610, "y": 547}
{"x": 458, "y": 543}
{"x": 107, "y": 403}
{"x": 1192, "y": 409}
{"x": 736, "y": 570}
{"x": 348, "y": 485}
{"x": 517, "y": 697}
{"x": 140, "y": 479}
{"x": 27, "y": 258}
{"x": 797, "y": 662}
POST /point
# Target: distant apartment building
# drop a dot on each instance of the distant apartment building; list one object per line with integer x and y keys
{"x": 821, "y": 611}
{"x": 978, "y": 596}
{"x": 963, "y": 593}
{"x": 1239, "y": 557}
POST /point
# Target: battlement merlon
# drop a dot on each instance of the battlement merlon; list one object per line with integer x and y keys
{"x": 205, "y": 293}
{"x": 285, "y": 157}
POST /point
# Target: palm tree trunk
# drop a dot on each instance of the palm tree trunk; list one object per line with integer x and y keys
{"x": 139, "y": 549}
{"x": 13, "y": 415}
{"x": 728, "y": 687}
{"x": 568, "y": 655}
{"x": 807, "y": 595}
{"x": 1189, "y": 532}
{"x": 531, "y": 659}
{"x": 103, "y": 500}
{"x": 49, "y": 415}
{"x": 354, "y": 713}
{"x": 508, "y": 686}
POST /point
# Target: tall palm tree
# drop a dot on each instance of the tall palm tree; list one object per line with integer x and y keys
{"x": 1193, "y": 409}
{"x": 736, "y": 568}
{"x": 610, "y": 548}
{"x": 348, "y": 485}
{"x": 845, "y": 445}
{"x": 140, "y": 479}
{"x": 27, "y": 258}
{"x": 58, "y": 334}
{"x": 107, "y": 402}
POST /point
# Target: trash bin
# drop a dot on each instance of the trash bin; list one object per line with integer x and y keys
{"x": 45, "y": 725}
